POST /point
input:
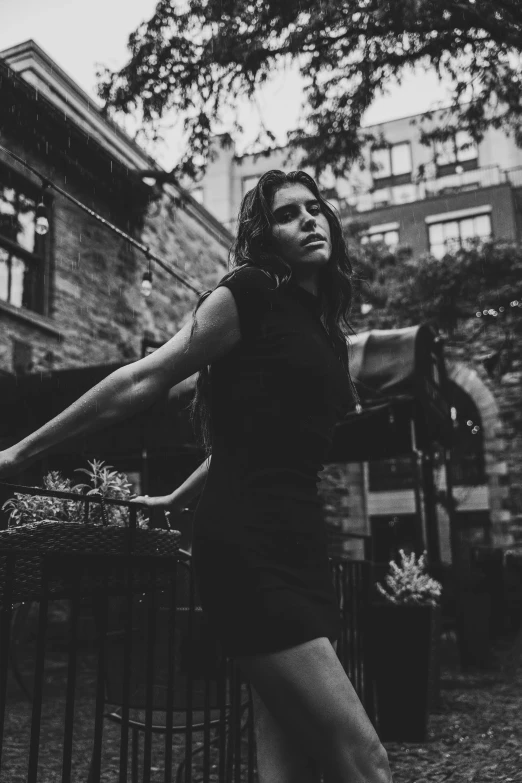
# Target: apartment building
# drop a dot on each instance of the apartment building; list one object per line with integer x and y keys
{"x": 421, "y": 196}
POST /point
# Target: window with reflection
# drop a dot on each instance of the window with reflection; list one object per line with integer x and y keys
{"x": 390, "y": 238}
{"x": 450, "y": 235}
{"x": 460, "y": 150}
{"x": 392, "y": 163}
{"x": 22, "y": 250}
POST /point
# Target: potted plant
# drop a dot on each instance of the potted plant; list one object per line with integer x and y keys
{"x": 405, "y": 634}
{"x": 40, "y": 524}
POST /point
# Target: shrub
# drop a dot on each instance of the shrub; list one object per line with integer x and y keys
{"x": 409, "y": 583}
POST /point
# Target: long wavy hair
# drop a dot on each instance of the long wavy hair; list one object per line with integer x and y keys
{"x": 253, "y": 247}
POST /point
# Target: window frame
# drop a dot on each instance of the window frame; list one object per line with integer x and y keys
{"x": 447, "y": 169}
{"x": 382, "y": 229}
{"x": 457, "y": 217}
{"x": 391, "y": 179}
{"x": 41, "y": 256}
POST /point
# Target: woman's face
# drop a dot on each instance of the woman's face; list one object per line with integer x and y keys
{"x": 301, "y": 232}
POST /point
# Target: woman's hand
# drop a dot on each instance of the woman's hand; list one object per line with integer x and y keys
{"x": 172, "y": 506}
{"x": 10, "y": 462}
{"x": 159, "y": 501}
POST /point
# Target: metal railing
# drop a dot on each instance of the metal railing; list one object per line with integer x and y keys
{"x": 151, "y": 695}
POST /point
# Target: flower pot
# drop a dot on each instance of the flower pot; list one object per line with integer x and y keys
{"x": 405, "y": 656}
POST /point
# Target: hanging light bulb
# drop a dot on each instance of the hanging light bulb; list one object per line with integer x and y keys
{"x": 42, "y": 221}
{"x": 146, "y": 283}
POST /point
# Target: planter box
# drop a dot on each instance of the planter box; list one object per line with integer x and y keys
{"x": 24, "y": 548}
{"x": 405, "y": 651}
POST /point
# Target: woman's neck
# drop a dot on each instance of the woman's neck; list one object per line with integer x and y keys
{"x": 308, "y": 284}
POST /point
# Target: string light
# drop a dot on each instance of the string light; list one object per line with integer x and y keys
{"x": 146, "y": 283}
{"x": 42, "y": 221}
{"x": 168, "y": 267}
{"x": 494, "y": 312}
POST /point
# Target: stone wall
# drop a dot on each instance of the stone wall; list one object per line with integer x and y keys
{"x": 97, "y": 314}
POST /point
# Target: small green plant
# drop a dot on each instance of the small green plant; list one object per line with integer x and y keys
{"x": 408, "y": 583}
{"x": 102, "y": 479}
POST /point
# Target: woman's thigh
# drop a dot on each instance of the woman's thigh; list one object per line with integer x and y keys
{"x": 310, "y": 698}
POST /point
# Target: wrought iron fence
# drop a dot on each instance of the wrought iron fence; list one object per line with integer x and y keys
{"x": 149, "y": 695}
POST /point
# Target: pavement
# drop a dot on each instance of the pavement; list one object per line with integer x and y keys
{"x": 474, "y": 735}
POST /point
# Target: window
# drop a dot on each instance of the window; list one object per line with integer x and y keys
{"x": 387, "y": 233}
{"x": 392, "y": 163}
{"x": 391, "y": 474}
{"x": 22, "y": 250}
{"x": 249, "y": 183}
{"x": 461, "y": 149}
{"x": 451, "y": 234}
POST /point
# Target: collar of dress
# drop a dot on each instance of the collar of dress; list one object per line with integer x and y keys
{"x": 311, "y": 301}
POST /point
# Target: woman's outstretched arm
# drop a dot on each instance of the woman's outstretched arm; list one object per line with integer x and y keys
{"x": 136, "y": 386}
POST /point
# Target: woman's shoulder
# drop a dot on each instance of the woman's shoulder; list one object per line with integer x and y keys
{"x": 249, "y": 277}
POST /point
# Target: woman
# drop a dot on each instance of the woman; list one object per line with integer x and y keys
{"x": 273, "y": 380}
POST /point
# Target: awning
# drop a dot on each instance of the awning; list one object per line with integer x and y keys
{"x": 401, "y": 379}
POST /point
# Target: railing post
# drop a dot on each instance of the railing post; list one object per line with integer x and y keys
{"x": 5, "y": 639}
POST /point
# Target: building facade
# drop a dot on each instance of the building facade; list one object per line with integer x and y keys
{"x": 426, "y": 199}
{"x": 72, "y": 297}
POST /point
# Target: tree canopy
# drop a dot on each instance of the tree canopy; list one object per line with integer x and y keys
{"x": 479, "y": 282}
{"x": 197, "y": 57}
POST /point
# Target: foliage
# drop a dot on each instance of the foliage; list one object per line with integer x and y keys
{"x": 103, "y": 479}
{"x": 405, "y": 290}
{"x": 29, "y": 508}
{"x": 198, "y": 57}
{"x": 409, "y": 584}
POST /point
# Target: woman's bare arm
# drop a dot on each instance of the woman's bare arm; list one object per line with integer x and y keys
{"x": 182, "y": 495}
{"x": 136, "y": 386}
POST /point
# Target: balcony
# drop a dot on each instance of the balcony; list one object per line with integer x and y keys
{"x": 474, "y": 179}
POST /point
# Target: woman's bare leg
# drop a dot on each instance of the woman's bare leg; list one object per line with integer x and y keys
{"x": 310, "y": 697}
{"x": 279, "y": 757}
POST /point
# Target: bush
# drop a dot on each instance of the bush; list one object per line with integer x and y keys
{"x": 409, "y": 583}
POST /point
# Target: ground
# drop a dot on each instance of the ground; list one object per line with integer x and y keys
{"x": 475, "y": 734}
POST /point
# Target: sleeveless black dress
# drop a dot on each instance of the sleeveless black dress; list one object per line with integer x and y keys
{"x": 259, "y": 541}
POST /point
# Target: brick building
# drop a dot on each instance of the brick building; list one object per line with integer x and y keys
{"x": 426, "y": 199}
{"x": 72, "y": 298}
